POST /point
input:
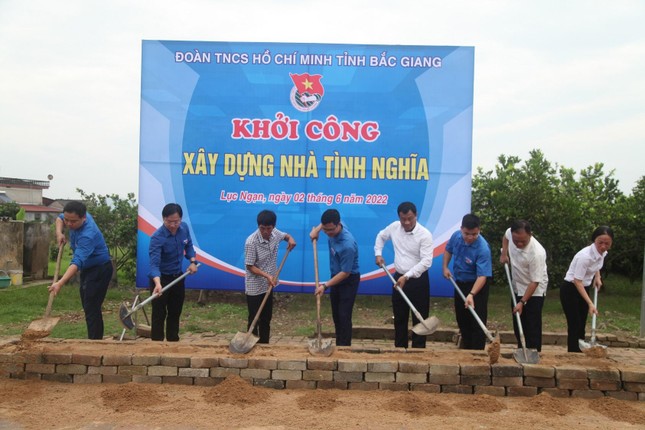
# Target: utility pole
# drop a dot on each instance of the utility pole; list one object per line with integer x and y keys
{"x": 643, "y": 299}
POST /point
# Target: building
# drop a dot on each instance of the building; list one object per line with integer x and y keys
{"x": 28, "y": 193}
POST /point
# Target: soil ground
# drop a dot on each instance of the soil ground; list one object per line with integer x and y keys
{"x": 235, "y": 404}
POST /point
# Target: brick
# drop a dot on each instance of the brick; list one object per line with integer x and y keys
{"x": 363, "y": 386}
{"x": 587, "y": 394}
{"x": 413, "y": 367}
{"x": 521, "y": 391}
{"x": 444, "y": 369}
{"x": 458, "y": 389}
{"x": 475, "y": 370}
{"x": 237, "y": 363}
{"x": 507, "y": 381}
{"x": 641, "y": 397}
{"x": 162, "y": 371}
{"x": 6, "y": 357}
{"x": 132, "y": 370}
{"x": 348, "y": 376}
{"x": 147, "y": 379}
{"x": 490, "y": 390}
{"x": 287, "y": 375}
{"x": 194, "y": 373}
{"x": 393, "y": 386}
{"x": 73, "y": 369}
{"x": 117, "y": 360}
{"x": 532, "y": 381}
{"x": 633, "y": 386}
{"x": 332, "y": 385}
{"x": 380, "y": 377}
{"x": 352, "y": 366}
{"x": 444, "y": 379}
{"x": 555, "y": 392}
{"x": 175, "y": 361}
{"x": 601, "y": 385}
{"x": 255, "y": 373}
{"x": 383, "y": 366}
{"x": 102, "y": 370}
{"x": 32, "y": 376}
{"x": 263, "y": 363}
{"x": 146, "y": 360}
{"x": 57, "y": 358}
{"x": 539, "y": 371}
{"x": 428, "y": 388}
{"x": 269, "y": 383}
{"x": 86, "y": 359}
{"x": 623, "y": 395}
{"x": 292, "y": 365}
{"x": 32, "y": 358}
{"x": 223, "y": 372}
{"x": 604, "y": 374}
{"x": 301, "y": 385}
{"x": 573, "y": 384}
{"x": 570, "y": 372}
{"x": 40, "y": 368}
{"x": 318, "y": 364}
{"x": 177, "y": 380}
{"x": 506, "y": 370}
{"x": 88, "y": 379}
{"x": 204, "y": 362}
{"x": 58, "y": 377}
{"x": 117, "y": 379}
{"x": 318, "y": 375}
{"x": 474, "y": 380}
{"x": 632, "y": 375}
{"x": 205, "y": 382}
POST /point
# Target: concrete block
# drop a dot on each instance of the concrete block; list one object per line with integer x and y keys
{"x": 318, "y": 375}
{"x": 601, "y": 385}
{"x": 270, "y": 383}
{"x": 458, "y": 389}
{"x": 587, "y": 394}
{"x": 193, "y": 373}
{"x": 623, "y": 395}
{"x": 506, "y": 370}
{"x": 175, "y": 361}
{"x": 72, "y": 369}
{"x": 223, "y": 372}
{"x": 632, "y": 375}
{"x": 57, "y": 358}
{"x": 475, "y": 370}
{"x": 532, "y": 381}
{"x": 117, "y": 360}
{"x": 539, "y": 371}
{"x": 383, "y": 366}
{"x": 205, "y": 382}
{"x": 287, "y": 375}
{"x": 204, "y": 362}
{"x": 634, "y": 387}
{"x": 444, "y": 379}
{"x": 255, "y": 373}
{"x": 59, "y": 377}
{"x": 379, "y": 377}
{"x": 490, "y": 390}
{"x": 572, "y": 384}
{"x": 86, "y": 359}
{"x": 237, "y": 363}
{"x": 332, "y": 385}
{"x": 363, "y": 386}
{"x": 604, "y": 374}
{"x": 352, "y": 366}
{"x": 413, "y": 367}
{"x": 393, "y": 386}
{"x": 147, "y": 379}
{"x": 177, "y": 380}
{"x": 162, "y": 371}
{"x": 570, "y": 372}
{"x": 428, "y": 388}
{"x": 507, "y": 381}
{"x": 348, "y": 376}
{"x": 521, "y": 391}
{"x": 117, "y": 379}
{"x": 555, "y": 392}
{"x": 146, "y": 360}
{"x": 444, "y": 369}
{"x": 292, "y": 365}
{"x": 102, "y": 370}
{"x": 474, "y": 380}
{"x": 40, "y": 368}
{"x": 88, "y": 379}
{"x": 263, "y": 363}
{"x": 301, "y": 385}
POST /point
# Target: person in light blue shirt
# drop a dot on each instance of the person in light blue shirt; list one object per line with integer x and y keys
{"x": 170, "y": 244}
{"x": 471, "y": 267}
{"x": 91, "y": 258}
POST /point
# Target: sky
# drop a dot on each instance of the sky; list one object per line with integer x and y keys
{"x": 565, "y": 77}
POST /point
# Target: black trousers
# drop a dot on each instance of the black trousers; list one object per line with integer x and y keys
{"x": 418, "y": 291}
{"x": 342, "y": 297}
{"x": 263, "y": 327}
{"x": 576, "y": 311}
{"x": 531, "y": 319}
{"x": 166, "y": 309}
{"x": 472, "y": 336}
{"x": 94, "y": 285}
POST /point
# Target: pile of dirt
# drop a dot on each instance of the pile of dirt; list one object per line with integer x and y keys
{"x": 617, "y": 410}
{"x": 417, "y": 404}
{"x": 493, "y": 350}
{"x": 133, "y": 396}
{"x": 318, "y": 400}
{"x": 546, "y": 405}
{"x": 481, "y": 403}
{"x": 236, "y": 391}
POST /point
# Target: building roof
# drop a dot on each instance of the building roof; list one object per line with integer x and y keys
{"x": 40, "y": 208}
{"x": 24, "y": 183}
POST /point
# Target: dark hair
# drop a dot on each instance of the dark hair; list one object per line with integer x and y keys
{"x": 470, "y": 221}
{"x": 603, "y": 229}
{"x": 267, "y": 217}
{"x": 171, "y": 209}
{"x": 75, "y": 207}
{"x": 406, "y": 207}
{"x": 520, "y": 224}
{"x": 330, "y": 215}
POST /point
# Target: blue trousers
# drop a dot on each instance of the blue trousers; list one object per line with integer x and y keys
{"x": 342, "y": 298}
{"x": 94, "y": 285}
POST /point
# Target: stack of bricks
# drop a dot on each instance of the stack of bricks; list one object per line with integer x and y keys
{"x": 316, "y": 372}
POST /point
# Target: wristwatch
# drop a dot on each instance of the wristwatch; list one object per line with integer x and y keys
{"x": 522, "y": 302}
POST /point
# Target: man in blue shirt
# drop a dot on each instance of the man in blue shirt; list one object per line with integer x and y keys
{"x": 169, "y": 245}
{"x": 91, "y": 257}
{"x": 471, "y": 268}
{"x": 345, "y": 275}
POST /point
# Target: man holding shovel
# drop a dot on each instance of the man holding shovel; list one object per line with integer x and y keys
{"x": 413, "y": 250}
{"x": 530, "y": 279}
{"x": 260, "y": 259}
{"x": 91, "y": 257}
{"x": 345, "y": 274}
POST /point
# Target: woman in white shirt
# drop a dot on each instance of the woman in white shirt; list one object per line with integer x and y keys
{"x": 584, "y": 271}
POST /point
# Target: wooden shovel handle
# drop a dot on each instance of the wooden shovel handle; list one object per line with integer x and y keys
{"x": 48, "y": 310}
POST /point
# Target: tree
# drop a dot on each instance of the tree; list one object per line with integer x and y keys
{"x": 9, "y": 210}
{"x": 117, "y": 219}
{"x": 627, "y": 221}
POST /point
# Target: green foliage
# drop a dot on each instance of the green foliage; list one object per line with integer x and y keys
{"x": 117, "y": 219}
{"x": 562, "y": 209}
{"x": 9, "y": 210}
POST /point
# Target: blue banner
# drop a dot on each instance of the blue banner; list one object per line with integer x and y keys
{"x": 230, "y": 129}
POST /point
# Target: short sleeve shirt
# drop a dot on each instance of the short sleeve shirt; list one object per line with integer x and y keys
{"x": 585, "y": 264}
{"x": 529, "y": 265}
{"x": 343, "y": 253}
{"x": 469, "y": 261}
{"x": 263, "y": 254}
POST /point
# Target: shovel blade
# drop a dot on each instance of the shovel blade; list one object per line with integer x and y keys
{"x": 242, "y": 342}
{"x": 125, "y": 316}
{"x": 532, "y": 356}
{"x": 582, "y": 344}
{"x": 40, "y": 328}
{"x": 426, "y": 327}
{"x": 321, "y": 347}
{"x": 595, "y": 350}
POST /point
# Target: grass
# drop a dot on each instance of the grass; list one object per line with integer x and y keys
{"x": 295, "y": 314}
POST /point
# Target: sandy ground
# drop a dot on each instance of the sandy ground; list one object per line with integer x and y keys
{"x": 235, "y": 404}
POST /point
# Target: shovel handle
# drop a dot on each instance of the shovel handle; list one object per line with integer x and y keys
{"x": 317, "y": 281}
{"x": 593, "y": 317}
{"x": 266, "y": 297}
{"x": 405, "y": 297}
{"x": 472, "y": 311}
{"x": 48, "y": 310}
{"x": 517, "y": 316}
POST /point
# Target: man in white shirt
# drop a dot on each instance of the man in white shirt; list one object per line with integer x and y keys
{"x": 413, "y": 250}
{"x": 530, "y": 279}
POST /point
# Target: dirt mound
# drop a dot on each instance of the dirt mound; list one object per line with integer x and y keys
{"x": 481, "y": 403}
{"x": 546, "y": 405}
{"x": 318, "y": 400}
{"x": 133, "y": 396}
{"x": 417, "y": 404}
{"x": 617, "y": 410}
{"x": 14, "y": 390}
{"x": 236, "y": 391}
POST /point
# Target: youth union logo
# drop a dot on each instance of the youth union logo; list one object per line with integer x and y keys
{"x": 307, "y": 91}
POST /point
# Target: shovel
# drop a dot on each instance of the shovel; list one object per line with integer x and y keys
{"x": 44, "y": 326}
{"x": 244, "y": 342}
{"x": 319, "y": 346}
{"x": 529, "y": 356}
{"x": 426, "y": 326}
{"x": 125, "y": 314}
{"x": 493, "y": 349}
{"x": 591, "y": 348}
